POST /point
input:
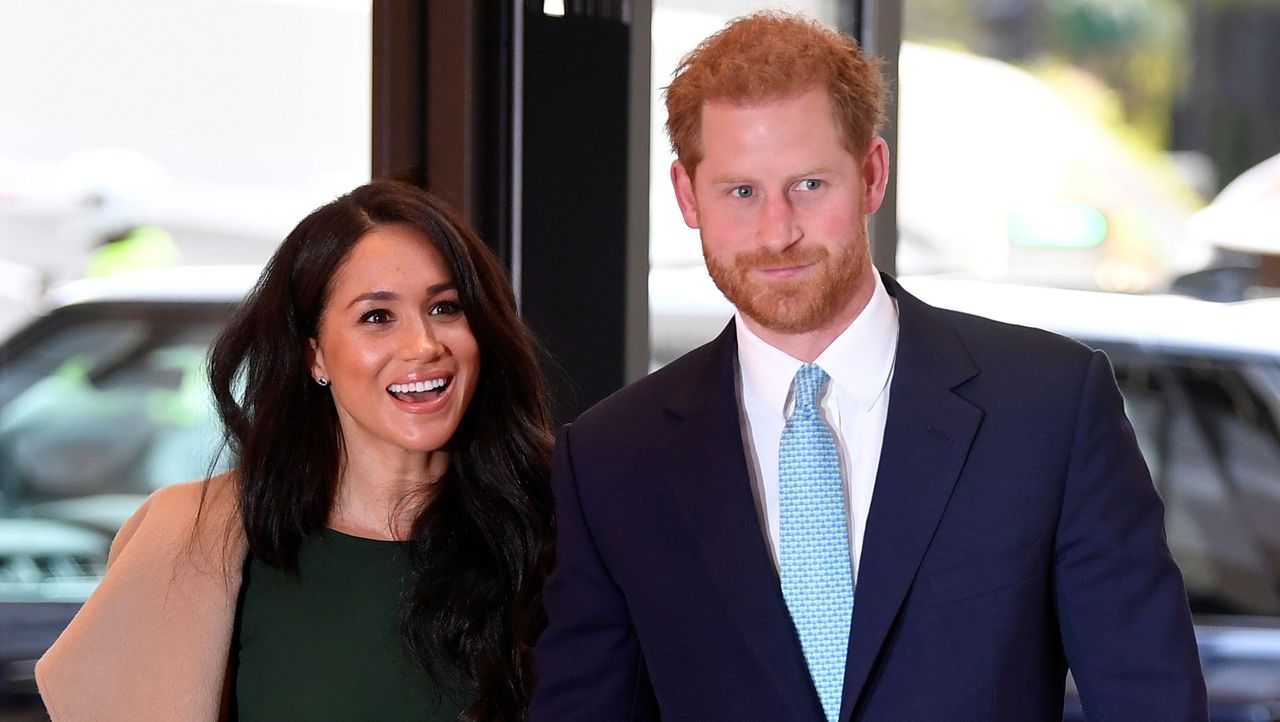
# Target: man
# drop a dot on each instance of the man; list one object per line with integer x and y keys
{"x": 850, "y": 505}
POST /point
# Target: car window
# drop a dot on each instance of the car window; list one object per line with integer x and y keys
{"x": 1208, "y": 428}
{"x": 98, "y": 407}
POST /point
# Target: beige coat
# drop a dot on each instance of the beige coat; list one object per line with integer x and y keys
{"x": 152, "y": 641}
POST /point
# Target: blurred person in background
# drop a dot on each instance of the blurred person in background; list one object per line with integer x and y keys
{"x": 850, "y": 505}
{"x": 133, "y": 248}
{"x": 120, "y": 193}
{"x": 380, "y": 548}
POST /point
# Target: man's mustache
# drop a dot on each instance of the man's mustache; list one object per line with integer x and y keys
{"x": 789, "y": 258}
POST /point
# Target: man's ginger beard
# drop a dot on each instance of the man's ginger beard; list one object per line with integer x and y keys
{"x": 795, "y": 305}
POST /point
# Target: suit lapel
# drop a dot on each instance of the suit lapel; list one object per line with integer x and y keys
{"x": 706, "y": 469}
{"x": 927, "y": 436}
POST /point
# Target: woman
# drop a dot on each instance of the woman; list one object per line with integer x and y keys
{"x": 380, "y": 549}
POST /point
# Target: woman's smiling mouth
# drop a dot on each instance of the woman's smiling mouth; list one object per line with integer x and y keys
{"x": 418, "y": 392}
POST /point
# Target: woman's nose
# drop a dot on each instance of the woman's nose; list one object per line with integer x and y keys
{"x": 421, "y": 343}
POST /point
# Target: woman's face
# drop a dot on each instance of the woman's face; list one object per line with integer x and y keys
{"x": 395, "y": 346}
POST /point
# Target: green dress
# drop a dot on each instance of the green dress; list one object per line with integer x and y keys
{"x": 325, "y": 644}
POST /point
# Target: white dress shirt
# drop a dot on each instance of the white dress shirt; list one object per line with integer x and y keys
{"x": 854, "y": 404}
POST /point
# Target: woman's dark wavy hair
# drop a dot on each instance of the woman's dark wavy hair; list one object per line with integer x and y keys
{"x": 482, "y": 545}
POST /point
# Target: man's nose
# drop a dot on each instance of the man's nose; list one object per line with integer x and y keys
{"x": 779, "y": 227}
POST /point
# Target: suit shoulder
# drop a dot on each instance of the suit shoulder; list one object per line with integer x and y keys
{"x": 986, "y": 340}
{"x": 648, "y": 396}
{"x": 997, "y": 342}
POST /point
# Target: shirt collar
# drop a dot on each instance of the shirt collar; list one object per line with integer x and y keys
{"x": 859, "y": 360}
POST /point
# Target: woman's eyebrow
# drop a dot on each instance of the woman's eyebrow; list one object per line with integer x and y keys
{"x": 392, "y": 295}
{"x": 374, "y": 296}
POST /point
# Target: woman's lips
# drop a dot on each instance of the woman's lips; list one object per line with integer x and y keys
{"x": 422, "y": 396}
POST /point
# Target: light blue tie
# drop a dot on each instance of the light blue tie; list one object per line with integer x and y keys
{"x": 817, "y": 578}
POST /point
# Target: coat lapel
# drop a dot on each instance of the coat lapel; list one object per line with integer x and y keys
{"x": 707, "y": 471}
{"x": 927, "y": 436}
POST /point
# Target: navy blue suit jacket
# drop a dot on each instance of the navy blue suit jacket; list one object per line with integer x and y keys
{"x": 1013, "y": 531}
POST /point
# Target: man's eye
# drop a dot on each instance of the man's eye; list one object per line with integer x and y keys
{"x": 378, "y": 315}
{"x": 809, "y": 184}
{"x": 743, "y": 192}
{"x": 445, "y": 308}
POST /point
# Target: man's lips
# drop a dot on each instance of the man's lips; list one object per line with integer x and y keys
{"x": 786, "y": 271}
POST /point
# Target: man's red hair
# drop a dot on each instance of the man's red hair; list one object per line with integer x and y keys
{"x": 772, "y": 55}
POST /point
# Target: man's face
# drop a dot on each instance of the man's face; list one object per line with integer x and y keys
{"x": 781, "y": 206}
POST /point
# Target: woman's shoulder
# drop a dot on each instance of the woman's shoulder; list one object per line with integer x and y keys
{"x": 185, "y": 506}
{"x": 155, "y": 633}
{"x": 190, "y": 495}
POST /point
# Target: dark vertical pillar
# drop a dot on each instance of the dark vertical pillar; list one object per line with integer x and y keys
{"x": 442, "y": 104}
{"x": 399, "y": 97}
{"x": 522, "y": 120}
{"x": 574, "y": 274}
{"x": 877, "y": 24}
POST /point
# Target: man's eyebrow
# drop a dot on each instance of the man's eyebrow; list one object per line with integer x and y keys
{"x": 741, "y": 180}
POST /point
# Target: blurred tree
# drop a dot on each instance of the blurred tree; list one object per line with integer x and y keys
{"x": 1230, "y": 107}
{"x": 1136, "y": 48}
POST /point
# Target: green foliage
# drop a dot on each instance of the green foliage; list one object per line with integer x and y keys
{"x": 1136, "y": 48}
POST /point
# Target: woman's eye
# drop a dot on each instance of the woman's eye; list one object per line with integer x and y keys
{"x": 377, "y": 315}
{"x": 445, "y": 308}
{"x": 743, "y": 192}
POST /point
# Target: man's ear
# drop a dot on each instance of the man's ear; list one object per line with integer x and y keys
{"x": 875, "y": 174}
{"x": 682, "y": 182}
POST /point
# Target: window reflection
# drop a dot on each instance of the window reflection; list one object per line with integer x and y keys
{"x": 1208, "y": 429}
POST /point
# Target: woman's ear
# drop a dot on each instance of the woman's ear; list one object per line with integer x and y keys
{"x": 315, "y": 362}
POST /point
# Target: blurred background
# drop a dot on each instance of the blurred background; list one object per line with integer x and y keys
{"x": 1076, "y": 143}
{"x": 218, "y": 123}
{"x": 1107, "y": 169}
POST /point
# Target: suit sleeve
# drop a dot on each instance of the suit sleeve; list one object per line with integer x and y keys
{"x": 589, "y": 659}
{"x": 1126, "y": 627}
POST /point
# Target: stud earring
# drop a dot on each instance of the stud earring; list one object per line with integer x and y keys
{"x": 322, "y": 381}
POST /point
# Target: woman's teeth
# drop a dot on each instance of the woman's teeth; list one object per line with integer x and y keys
{"x": 418, "y": 387}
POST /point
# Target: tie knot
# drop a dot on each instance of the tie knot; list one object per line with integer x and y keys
{"x": 809, "y": 381}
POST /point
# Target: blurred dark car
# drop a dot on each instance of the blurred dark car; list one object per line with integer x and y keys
{"x": 1201, "y": 382}
{"x": 103, "y": 398}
